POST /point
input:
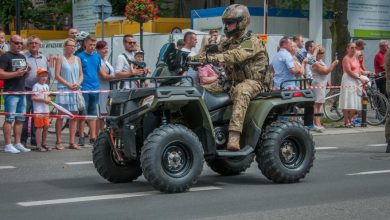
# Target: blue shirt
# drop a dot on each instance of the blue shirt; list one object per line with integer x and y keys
{"x": 282, "y": 62}
{"x": 91, "y": 64}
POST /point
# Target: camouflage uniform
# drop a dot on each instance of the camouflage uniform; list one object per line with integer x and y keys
{"x": 246, "y": 62}
{"x": 387, "y": 125}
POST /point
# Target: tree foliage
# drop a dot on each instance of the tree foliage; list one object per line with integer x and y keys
{"x": 7, "y": 12}
{"x": 52, "y": 14}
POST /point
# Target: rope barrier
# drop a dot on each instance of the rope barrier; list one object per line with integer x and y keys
{"x": 43, "y": 115}
{"x": 53, "y": 92}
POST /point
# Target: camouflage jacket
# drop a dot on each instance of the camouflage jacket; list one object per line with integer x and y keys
{"x": 244, "y": 58}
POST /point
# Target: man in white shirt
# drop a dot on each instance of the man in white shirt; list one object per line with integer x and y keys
{"x": 122, "y": 67}
{"x": 190, "y": 42}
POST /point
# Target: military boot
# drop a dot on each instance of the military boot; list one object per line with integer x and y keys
{"x": 388, "y": 148}
{"x": 234, "y": 141}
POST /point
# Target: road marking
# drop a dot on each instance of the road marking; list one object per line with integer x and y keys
{"x": 79, "y": 163}
{"x": 7, "y": 167}
{"x": 326, "y": 148}
{"x": 369, "y": 172}
{"x": 104, "y": 197}
{"x": 377, "y": 145}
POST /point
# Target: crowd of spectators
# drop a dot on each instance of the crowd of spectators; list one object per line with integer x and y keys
{"x": 84, "y": 66}
{"x": 292, "y": 56}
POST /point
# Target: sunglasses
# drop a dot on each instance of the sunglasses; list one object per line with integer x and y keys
{"x": 132, "y": 42}
{"x": 17, "y": 42}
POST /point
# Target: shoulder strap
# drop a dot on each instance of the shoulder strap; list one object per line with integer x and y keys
{"x": 127, "y": 59}
{"x": 109, "y": 69}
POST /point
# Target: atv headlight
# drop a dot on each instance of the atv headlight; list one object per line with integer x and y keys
{"x": 147, "y": 100}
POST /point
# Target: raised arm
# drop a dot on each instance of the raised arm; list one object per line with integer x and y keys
{"x": 323, "y": 70}
{"x": 246, "y": 50}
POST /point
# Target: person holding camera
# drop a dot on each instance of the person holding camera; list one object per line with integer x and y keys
{"x": 13, "y": 69}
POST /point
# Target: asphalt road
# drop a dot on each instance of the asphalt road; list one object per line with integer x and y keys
{"x": 65, "y": 185}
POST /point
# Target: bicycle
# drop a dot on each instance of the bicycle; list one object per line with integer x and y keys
{"x": 52, "y": 122}
{"x": 377, "y": 107}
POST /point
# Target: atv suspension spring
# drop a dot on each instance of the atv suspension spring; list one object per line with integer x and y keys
{"x": 164, "y": 118}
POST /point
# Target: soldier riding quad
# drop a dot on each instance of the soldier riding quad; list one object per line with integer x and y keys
{"x": 167, "y": 131}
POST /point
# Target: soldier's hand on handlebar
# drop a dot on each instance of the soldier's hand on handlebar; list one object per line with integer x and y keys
{"x": 198, "y": 58}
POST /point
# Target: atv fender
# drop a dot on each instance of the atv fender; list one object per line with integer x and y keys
{"x": 259, "y": 109}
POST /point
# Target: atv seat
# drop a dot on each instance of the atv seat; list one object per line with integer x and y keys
{"x": 271, "y": 94}
{"x": 215, "y": 101}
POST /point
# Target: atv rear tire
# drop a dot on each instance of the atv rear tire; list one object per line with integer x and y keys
{"x": 108, "y": 168}
{"x": 231, "y": 166}
{"x": 286, "y": 153}
{"x": 172, "y": 158}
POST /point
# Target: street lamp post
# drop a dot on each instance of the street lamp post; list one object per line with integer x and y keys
{"x": 18, "y": 19}
{"x": 104, "y": 9}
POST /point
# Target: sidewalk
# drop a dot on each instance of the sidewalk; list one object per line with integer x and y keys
{"x": 356, "y": 130}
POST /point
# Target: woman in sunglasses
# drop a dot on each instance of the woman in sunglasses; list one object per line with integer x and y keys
{"x": 350, "y": 93}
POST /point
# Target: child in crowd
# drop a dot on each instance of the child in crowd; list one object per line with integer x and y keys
{"x": 40, "y": 105}
{"x": 139, "y": 64}
{"x": 3, "y": 45}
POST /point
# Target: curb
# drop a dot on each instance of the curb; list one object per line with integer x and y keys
{"x": 356, "y": 130}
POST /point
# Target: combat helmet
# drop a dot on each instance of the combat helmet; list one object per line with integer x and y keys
{"x": 238, "y": 14}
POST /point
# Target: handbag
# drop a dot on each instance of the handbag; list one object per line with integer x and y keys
{"x": 80, "y": 101}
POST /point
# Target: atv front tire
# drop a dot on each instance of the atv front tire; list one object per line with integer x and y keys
{"x": 286, "y": 153}
{"x": 172, "y": 158}
{"x": 231, "y": 166}
{"x": 108, "y": 167}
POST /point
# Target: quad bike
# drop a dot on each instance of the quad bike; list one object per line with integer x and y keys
{"x": 166, "y": 132}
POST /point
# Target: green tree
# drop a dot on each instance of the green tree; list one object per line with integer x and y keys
{"x": 52, "y": 15}
{"x": 7, "y": 13}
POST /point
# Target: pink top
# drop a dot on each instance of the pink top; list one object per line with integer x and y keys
{"x": 206, "y": 71}
{"x": 354, "y": 63}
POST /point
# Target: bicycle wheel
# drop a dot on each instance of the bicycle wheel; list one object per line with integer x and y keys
{"x": 377, "y": 108}
{"x": 52, "y": 122}
{"x": 331, "y": 105}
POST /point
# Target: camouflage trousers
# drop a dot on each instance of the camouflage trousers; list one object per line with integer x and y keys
{"x": 387, "y": 124}
{"x": 241, "y": 95}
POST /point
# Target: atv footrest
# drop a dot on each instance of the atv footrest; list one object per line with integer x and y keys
{"x": 243, "y": 152}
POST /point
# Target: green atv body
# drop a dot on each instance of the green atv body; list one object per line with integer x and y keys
{"x": 167, "y": 132}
